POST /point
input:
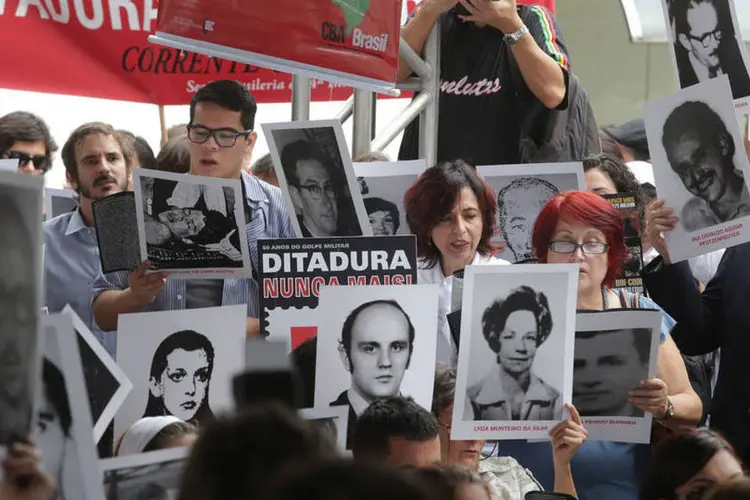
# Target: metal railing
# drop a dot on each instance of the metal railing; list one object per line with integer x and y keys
{"x": 362, "y": 104}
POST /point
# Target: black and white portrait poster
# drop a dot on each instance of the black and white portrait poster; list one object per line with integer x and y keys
{"x": 383, "y": 186}
{"x": 521, "y": 192}
{"x": 63, "y": 432}
{"x": 107, "y": 386}
{"x": 334, "y": 420}
{"x": 701, "y": 168}
{"x": 614, "y": 351}
{"x": 292, "y": 272}
{"x": 155, "y": 475}
{"x": 58, "y": 202}
{"x": 20, "y": 300}
{"x": 707, "y": 43}
{"x": 515, "y": 369}
{"x": 375, "y": 342}
{"x": 630, "y": 276}
{"x": 314, "y": 168}
{"x": 181, "y": 363}
{"x": 191, "y": 226}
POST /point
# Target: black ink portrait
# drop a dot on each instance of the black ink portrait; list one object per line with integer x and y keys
{"x": 705, "y": 44}
{"x": 384, "y": 216}
{"x": 519, "y": 204}
{"x": 318, "y": 189}
{"x": 376, "y": 346}
{"x": 180, "y": 378}
{"x": 190, "y": 225}
{"x": 514, "y": 328}
{"x": 608, "y": 365}
{"x": 701, "y": 151}
{"x": 18, "y": 321}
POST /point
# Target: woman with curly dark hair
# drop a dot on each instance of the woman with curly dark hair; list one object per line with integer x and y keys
{"x": 514, "y": 328}
{"x": 453, "y": 213}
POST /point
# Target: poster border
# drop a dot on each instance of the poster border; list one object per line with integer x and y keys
{"x": 346, "y": 161}
{"x": 125, "y": 384}
{"x": 466, "y": 430}
{"x": 339, "y": 412}
{"x": 50, "y": 193}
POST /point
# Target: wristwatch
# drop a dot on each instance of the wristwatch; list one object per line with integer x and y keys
{"x": 512, "y": 38}
{"x": 670, "y": 410}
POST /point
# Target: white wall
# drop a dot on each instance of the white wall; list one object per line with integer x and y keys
{"x": 64, "y": 113}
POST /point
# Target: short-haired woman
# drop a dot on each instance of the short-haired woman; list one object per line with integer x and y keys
{"x": 583, "y": 228}
{"x": 452, "y": 212}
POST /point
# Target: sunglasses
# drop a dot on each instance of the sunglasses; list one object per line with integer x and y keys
{"x": 39, "y": 161}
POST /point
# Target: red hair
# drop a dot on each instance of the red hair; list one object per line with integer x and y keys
{"x": 588, "y": 209}
{"x": 434, "y": 195}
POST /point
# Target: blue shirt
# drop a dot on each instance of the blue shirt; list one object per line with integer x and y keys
{"x": 71, "y": 264}
{"x": 601, "y": 469}
{"x": 268, "y": 220}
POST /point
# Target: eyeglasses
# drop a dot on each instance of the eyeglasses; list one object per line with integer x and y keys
{"x": 316, "y": 192}
{"x": 39, "y": 161}
{"x": 224, "y": 137}
{"x": 589, "y": 248}
{"x": 705, "y": 40}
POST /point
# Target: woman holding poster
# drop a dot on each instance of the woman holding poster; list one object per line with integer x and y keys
{"x": 583, "y": 228}
{"x": 452, "y": 212}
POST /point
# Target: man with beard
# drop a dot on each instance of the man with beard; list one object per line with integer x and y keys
{"x": 700, "y": 149}
{"x": 97, "y": 163}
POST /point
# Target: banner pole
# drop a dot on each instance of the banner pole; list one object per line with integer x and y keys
{"x": 163, "y": 125}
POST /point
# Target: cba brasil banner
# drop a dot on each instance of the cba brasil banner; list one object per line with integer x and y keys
{"x": 351, "y": 41}
{"x": 100, "y": 48}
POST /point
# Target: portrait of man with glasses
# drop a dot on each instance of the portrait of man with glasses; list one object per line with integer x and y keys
{"x": 705, "y": 44}
{"x": 317, "y": 186}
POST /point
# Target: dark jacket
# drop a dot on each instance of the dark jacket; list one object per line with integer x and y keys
{"x": 731, "y": 63}
{"x": 718, "y": 318}
{"x": 343, "y": 400}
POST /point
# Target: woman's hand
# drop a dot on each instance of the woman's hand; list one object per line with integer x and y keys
{"x": 567, "y": 437}
{"x": 24, "y": 477}
{"x": 658, "y": 220}
{"x": 651, "y": 396}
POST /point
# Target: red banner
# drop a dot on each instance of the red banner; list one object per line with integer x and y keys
{"x": 100, "y": 48}
{"x": 353, "y": 41}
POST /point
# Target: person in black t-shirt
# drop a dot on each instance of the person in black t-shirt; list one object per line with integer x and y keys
{"x": 496, "y": 59}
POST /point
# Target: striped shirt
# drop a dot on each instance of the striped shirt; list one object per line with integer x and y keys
{"x": 269, "y": 219}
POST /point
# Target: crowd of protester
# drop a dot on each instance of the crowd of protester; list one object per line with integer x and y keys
{"x": 399, "y": 449}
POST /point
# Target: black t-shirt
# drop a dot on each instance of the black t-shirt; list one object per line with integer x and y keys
{"x": 480, "y": 104}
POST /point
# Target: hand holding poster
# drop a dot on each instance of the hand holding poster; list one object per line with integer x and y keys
{"x": 352, "y": 41}
{"x": 701, "y": 168}
{"x": 614, "y": 351}
{"x": 293, "y": 271}
{"x": 517, "y": 331}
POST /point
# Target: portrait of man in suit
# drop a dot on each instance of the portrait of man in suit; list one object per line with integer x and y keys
{"x": 376, "y": 347}
{"x": 705, "y": 44}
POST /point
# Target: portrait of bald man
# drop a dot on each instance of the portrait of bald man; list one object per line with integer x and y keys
{"x": 376, "y": 347}
{"x": 20, "y": 263}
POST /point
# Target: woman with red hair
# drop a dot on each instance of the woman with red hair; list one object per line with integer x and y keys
{"x": 452, "y": 211}
{"x": 583, "y": 228}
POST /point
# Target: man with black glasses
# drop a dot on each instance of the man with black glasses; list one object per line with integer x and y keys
{"x": 26, "y": 138}
{"x": 220, "y": 135}
{"x": 705, "y": 45}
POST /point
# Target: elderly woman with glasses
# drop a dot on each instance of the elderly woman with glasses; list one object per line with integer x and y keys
{"x": 584, "y": 229}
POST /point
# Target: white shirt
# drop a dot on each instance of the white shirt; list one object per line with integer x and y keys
{"x": 447, "y": 350}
